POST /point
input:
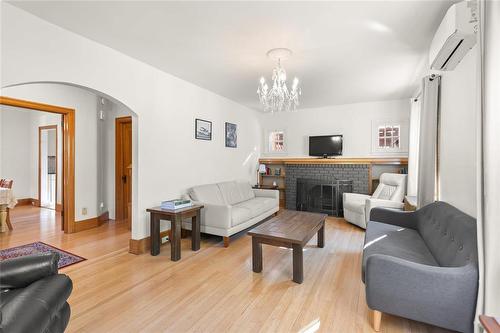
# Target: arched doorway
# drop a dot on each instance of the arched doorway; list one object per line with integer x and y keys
{"x": 68, "y": 155}
{"x": 107, "y": 109}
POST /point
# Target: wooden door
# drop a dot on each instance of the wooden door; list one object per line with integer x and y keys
{"x": 123, "y": 168}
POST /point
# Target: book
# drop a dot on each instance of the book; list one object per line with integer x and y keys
{"x": 176, "y": 204}
{"x": 175, "y": 207}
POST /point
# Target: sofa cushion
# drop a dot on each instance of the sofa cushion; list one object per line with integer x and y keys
{"x": 234, "y": 192}
{"x": 245, "y": 190}
{"x": 8, "y": 295}
{"x": 209, "y": 194}
{"x": 356, "y": 204}
{"x": 239, "y": 215}
{"x": 385, "y": 192}
{"x": 404, "y": 243}
{"x": 258, "y": 205}
{"x": 449, "y": 234}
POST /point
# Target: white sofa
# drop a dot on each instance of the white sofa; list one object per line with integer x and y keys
{"x": 231, "y": 207}
{"x": 389, "y": 194}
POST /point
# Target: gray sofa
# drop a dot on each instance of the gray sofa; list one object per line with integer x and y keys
{"x": 422, "y": 265}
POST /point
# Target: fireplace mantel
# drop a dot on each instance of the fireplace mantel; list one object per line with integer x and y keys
{"x": 337, "y": 160}
{"x": 361, "y": 170}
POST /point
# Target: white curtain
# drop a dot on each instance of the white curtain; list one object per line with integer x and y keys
{"x": 427, "y": 186}
{"x": 413, "y": 146}
{"x": 489, "y": 224}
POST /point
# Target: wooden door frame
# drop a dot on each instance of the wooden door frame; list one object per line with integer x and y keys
{"x": 40, "y": 129}
{"x": 68, "y": 169}
{"x": 119, "y": 207}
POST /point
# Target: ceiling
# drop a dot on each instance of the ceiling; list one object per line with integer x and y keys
{"x": 344, "y": 51}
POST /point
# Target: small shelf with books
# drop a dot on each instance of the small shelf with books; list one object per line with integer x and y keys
{"x": 275, "y": 178}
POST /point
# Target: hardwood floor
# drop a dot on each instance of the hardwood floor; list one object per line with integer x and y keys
{"x": 212, "y": 290}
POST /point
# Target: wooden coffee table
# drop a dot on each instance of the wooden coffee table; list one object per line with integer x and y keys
{"x": 290, "y": 229}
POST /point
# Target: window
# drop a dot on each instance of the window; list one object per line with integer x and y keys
{"x": 389, "y": 136}
{"x": 276, "y": 141}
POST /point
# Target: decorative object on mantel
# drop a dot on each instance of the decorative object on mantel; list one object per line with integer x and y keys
{"x": 203, "y": 129}
{"x": 279, "y": 98}
{"x": 65, "y": 258}
{"x": 231, "y": 135}
{"x": 262, "y": 171}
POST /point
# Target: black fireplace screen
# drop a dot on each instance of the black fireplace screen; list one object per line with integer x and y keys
{"x": 322, "y": 196}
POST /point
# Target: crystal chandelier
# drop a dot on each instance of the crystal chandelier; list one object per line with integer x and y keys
{"x": 279, "y": 98}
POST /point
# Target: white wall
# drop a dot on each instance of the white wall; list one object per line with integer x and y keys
{"x": 1, "y": 141}
{"x": 457, "y": 162}
{"x": 491, "y": 154}
{"x": 17, "y": 151}
{"x": 169, "y": 159}
{"x": 353, "y": 121}
{"x": 84, "y": 103}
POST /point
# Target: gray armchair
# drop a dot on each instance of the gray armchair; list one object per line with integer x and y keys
{"x": 422, "y": 265}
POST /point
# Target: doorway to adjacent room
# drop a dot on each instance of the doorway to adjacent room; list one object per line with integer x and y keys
{"x": 123, "y": 169}
{"x": 47, "y": 166}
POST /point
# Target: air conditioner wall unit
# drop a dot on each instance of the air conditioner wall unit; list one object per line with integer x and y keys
{"x": 455, "y": 36}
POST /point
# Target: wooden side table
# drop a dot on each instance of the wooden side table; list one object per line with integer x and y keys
{"x": 175, "y": 217}
{"x": 490, "y": 324}
{"x": 410, "y": 203}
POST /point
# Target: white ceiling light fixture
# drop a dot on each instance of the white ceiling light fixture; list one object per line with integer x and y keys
{"x": 279, "y": 98}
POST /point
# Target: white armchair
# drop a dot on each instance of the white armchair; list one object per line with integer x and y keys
{"x": 389, "y": 193}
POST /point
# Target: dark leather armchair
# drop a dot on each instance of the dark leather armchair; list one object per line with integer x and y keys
{"x": 33, "y": 295}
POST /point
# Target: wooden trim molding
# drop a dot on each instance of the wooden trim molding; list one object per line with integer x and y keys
{"x": 337, "y": 160}
{"x": 26, "y": 202}
{"x": 140, "y": 246}
{"x": 86, "y": 224}
{"x": 103, "y": 217}
{"x": 92, "y": 222}
{"x": 490, "y": 324}
{"x": 68, "y": 154}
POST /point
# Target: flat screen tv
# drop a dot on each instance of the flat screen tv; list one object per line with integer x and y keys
{"x": 325, "y": 145}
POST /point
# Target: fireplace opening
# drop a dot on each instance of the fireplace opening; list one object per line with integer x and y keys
{"x": 322, "y": 196}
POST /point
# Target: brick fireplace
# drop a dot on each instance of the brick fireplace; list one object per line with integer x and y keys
{"x": 357, "y": 173}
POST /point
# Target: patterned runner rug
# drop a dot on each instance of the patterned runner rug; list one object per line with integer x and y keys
{"x": 66, "y": 258}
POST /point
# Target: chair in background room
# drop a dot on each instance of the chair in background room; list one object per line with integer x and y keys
{"x": 7, "y": 183}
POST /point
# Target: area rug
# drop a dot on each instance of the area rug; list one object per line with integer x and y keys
{"x": 66, "y": 258}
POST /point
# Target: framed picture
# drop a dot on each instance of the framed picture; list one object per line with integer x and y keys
{"x": 203, "y": 129}
{"x": 231, "y": 135}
